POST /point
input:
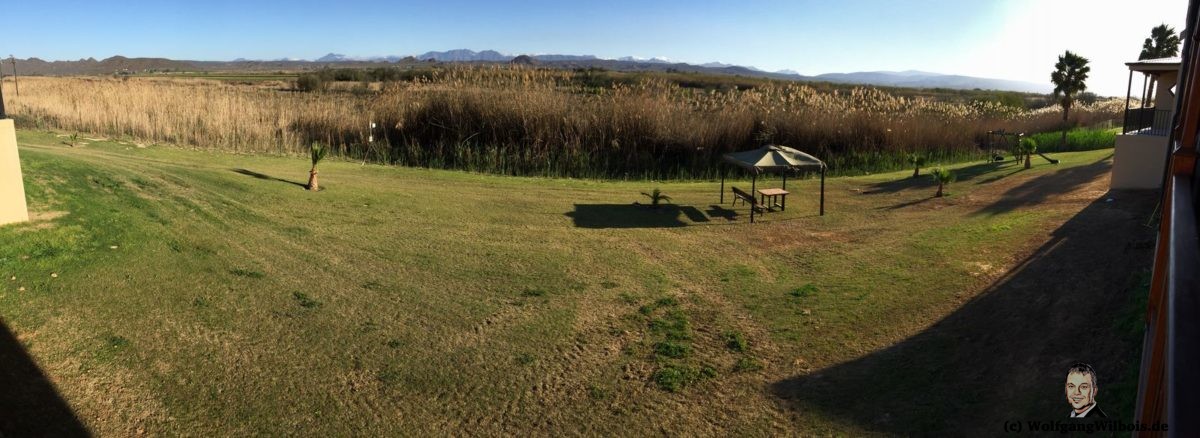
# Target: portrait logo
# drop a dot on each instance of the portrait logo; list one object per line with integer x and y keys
{"x": 1081, "y": 389}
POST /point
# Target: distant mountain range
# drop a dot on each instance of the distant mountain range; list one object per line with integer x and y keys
{"x": 90, "y": 66}
{"x": 910, "y": 78}
{"x": 460, "y": 55}
{"x": 920, "y": 79}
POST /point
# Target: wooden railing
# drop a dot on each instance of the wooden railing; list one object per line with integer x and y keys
{"x": 1169, "y": 383}
{"x": 1147, "y": 121}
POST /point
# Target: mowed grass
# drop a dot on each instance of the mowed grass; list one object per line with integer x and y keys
{"x": 182, "y": 292}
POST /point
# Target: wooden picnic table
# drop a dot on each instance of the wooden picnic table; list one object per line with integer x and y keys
{"x": 778, "y": 198}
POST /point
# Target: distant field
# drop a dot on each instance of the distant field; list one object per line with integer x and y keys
{"x": 218, "y": 76}
{"x": 167, "y": 291}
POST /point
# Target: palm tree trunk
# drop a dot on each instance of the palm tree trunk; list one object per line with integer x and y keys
{"x": 312, "y": 180}
{"x": 939, "y": 193}
{"x": 916, "y": 171}
{"x": 1027, "y": 160}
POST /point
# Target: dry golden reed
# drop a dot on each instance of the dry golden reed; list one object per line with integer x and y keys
{"x": 518, "y": 120}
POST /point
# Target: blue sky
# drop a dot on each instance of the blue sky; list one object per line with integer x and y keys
{"x": 1015, "y": 39}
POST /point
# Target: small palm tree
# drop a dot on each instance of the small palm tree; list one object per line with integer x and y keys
{"x": 916, "y": 160}
{"x": 318, "y": 153}
{"x": 1027, "y": 147}
{"x": 943, "y": 177}
{"x": 656, "y": 196}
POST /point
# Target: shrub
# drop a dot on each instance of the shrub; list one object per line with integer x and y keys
{"x": 656, "y": 197}
{"x": 531, "y": 293}
{"x": 667, "y": 302}
{"x": 597, "y": 392}
{"x": 248, "y": 273}
{"x": 916, "y": 160}
{"x": 672, "y": 349}
{"x": 941, "y": 177}
{"x": 803, "y": 291}
{"x": 675, "y": 377}
{"x": 305, "y": 301}
{"x": 674, "y": 326}
{"x": 1027, "y": 147}
{"x": 1079, "y": 139}
{"x": 747, "y": 364}
{"x": 525, "y": 359}
{"x": 736, "y": 341}
{"x": 310, "y": 82}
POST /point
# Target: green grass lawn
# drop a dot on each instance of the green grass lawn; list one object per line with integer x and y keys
{"x": 175, "y": 291}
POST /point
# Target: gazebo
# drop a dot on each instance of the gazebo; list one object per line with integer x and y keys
{"x": 774, "y": 159}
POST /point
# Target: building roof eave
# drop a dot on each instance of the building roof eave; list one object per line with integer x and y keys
{"x": 1155, "y": 65}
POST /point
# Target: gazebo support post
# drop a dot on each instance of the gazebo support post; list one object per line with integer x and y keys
{"x": 822, "y": 191}
{"x": 771, "y": 158}
{"x": 722, "y": 186}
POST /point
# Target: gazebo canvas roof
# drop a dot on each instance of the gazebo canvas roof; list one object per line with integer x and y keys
{"x": 773, "y": 158}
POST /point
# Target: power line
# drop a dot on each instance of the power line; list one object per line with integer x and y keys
{"x": 17, "y": 86}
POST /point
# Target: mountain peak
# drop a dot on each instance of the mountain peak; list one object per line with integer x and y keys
{"x": 466, "y": 55}
{"x": 332, "y": 57}
{"x": 654, "y": 60}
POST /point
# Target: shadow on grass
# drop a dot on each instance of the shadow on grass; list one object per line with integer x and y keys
{"x": 665, "y": 216}
{"x": 722, "y": 212}
{"x": 29, "y": 403}
{"x": 1004, "y": 354}
{"x": 1037, "y": 190}
{"x": 627, "y": 216}
{"x": 1000, "y": 176}
{"x": 252, "y": 173}
{"x": 693, "y": 214}
{"x": 906, "y": 204}
{"x": 924, "y": 181}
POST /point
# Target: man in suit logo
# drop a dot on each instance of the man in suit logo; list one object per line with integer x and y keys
{"x": 1081, "y": 392}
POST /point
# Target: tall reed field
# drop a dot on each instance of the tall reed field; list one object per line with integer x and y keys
{"x": 521, "y": 120}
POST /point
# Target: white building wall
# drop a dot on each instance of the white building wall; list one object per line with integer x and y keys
{"x": 1163, "y": 98}
{"x": 1138, "y": 162}
{"x": 12, "y": 188}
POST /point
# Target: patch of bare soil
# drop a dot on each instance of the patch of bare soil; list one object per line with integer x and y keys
{"x": 45, "y": 216}
{"x": 40, "y": 220}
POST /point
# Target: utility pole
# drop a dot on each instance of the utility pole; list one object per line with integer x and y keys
{"x": 370, "y": 137}
{"x": 2, "y": 115}
{"x": 14, "y": 63}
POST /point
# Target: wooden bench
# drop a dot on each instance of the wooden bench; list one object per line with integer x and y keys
{"x": 747, "y": 199}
